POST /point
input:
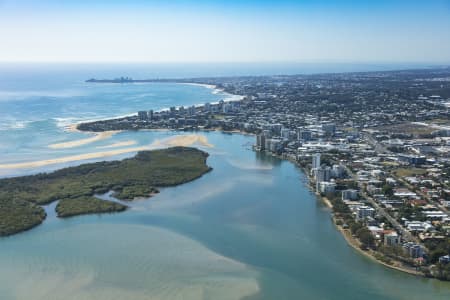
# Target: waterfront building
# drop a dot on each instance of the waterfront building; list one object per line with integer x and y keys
{"x": 323, "y": 174}
{"x": 316, "y": 161}
{"x": 327, "y": 187}
{"x": 191, "y": 110}
{"x": 142, "y": 115}
{"x": 349, "y": 194}
{"x": 363, "y": 212}
{"x": 275, "y": 145}
{"x": 266, "y": 133}
{"x": 260, "y": 142}
{"x": 413, "y": 250}
{"x": 391, "y": 239}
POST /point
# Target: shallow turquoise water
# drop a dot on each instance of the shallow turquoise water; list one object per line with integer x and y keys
{"x": 248, "y": 229}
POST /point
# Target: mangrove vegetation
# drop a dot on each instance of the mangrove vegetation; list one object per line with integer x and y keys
{"x": 75, "y": 187}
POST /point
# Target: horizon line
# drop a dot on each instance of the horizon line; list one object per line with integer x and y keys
{"x": 434, "y": 63}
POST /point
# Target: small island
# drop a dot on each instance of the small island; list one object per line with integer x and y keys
{"x": 75, "y": 187}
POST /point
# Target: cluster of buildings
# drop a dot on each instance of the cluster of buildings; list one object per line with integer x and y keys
{"x": 378, "y": 141}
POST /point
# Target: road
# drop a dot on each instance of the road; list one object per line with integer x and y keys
{"x": 406, "y": 235}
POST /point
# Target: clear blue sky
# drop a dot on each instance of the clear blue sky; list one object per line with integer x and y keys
{"x": 225, "y": 31}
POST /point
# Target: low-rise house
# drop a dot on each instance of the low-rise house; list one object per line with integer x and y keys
{"x": 418, "y": 226}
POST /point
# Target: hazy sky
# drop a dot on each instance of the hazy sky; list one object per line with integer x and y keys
{"x": 225, "y": 31}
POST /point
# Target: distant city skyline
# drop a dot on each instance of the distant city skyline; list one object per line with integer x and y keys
{"x": 225, "y": 31}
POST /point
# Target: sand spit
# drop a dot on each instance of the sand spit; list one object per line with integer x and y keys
{"x": 178, "y": 140}
{"x": 118, "y": 144}
{"x": 97, "y": 137}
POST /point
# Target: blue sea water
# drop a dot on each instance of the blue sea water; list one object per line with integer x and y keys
{"x": 250, "y": 229}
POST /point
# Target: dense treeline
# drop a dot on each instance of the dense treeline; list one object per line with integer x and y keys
{"x": 139, "y": 176}
{"x": 86, "y": 205}
{"x": 18, "y": 215}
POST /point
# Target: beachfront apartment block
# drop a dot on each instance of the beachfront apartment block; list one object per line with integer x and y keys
{"x": 363, "y": 212}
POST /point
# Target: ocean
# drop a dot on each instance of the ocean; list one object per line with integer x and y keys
{"x": 250, "y": 229}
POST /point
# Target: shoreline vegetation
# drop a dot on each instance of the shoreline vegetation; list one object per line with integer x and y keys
{"x": 75, "y": 187}
{"x": 353, "y": 240}
{"x": 356, "y": 244}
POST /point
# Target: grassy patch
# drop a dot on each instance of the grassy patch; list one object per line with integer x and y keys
{"x": 408, "y": 128}
{"x": 405, "y": 172}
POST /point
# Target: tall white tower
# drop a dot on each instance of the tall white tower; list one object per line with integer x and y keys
{"x": 316, "y": 161}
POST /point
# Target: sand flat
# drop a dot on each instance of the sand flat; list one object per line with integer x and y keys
{"x": 178, "y": 140}
{"x": 97, "y": 137}
{"x": 184, "y": 140}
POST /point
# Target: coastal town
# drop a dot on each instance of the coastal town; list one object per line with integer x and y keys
{"x": 375, "y": 145}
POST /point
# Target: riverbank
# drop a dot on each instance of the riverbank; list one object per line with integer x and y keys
{"x": 349, "y": 238}
{"x": 369, "y": 253}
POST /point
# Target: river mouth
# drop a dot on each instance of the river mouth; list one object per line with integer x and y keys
{"x": 250, "y": 229}
{"x": 251, "y": 226}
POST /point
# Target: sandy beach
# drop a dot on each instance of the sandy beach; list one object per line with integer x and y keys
{"x": 178, "y": 140}
{"x": 97, "y": 137}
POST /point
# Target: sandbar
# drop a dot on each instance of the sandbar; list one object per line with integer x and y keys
{"x": 97, "y": 137}
{"x": 178, "y": 140}
{"x": 183, "y": 140}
